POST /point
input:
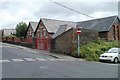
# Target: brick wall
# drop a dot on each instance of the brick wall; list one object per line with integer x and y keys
{"x": 63, "y": 43}
{"x": 119, "y": 33}
{"x": 111, "y": 34}
{"x": 67, "y": 42}
{"x": 29, "y": 32}
{"x": 103, "y": 35}
{"x": 114, "y": 33}
{"x": 42, "y": 32}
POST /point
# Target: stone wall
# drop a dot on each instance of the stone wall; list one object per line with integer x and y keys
{"x": 67, "y": 41}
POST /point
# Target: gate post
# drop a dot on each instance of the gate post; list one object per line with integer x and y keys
{"x": 36, "y": 43}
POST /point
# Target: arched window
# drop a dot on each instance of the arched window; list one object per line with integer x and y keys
{"x": 44, "y": 30}
{"x": 40, "y": 34}
{"x": 30, "y": 32}
{"x": 118, "y": 32}
{"x": 114, "y": 35}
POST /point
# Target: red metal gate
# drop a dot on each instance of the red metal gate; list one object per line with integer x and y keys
{"x": 42, "y": 44}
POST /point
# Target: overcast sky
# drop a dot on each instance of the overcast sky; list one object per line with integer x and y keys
{"x": 13, "y": 12}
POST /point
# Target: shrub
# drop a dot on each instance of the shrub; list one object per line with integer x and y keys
{"x": 92, "y": 57}
{"x": 92, "y": 50}
{"x": 82, "y": 53}
{"x": 74, "y": 54}
{"x": 98, "y": 52}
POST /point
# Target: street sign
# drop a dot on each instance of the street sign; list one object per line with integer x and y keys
{"x": 78, "y": 31}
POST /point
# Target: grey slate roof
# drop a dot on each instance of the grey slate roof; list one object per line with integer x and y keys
{"x": 101, "y": 24}
{"x": 34, "y": 25}
{"x": 53, "y": 25}
{"x": 58, "y": 27}
{"x": 62, "y": 29}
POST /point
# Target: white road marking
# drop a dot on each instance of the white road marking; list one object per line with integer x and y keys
{"x": 29, "y": 59}
{"x": 38, "y": 59}
{"x": 41, "y": 59}
{"x": 17, "y": 60}
{"x": 6, "y": 60}
{"x": 43, "y": 67}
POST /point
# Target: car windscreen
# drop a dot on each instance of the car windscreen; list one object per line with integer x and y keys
{"x": 113, "y": 50}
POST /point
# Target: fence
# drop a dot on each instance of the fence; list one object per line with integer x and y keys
{"x": 28, "y": 42}
{"x": 41, "y": 44}
{"x": 19, "y": 40}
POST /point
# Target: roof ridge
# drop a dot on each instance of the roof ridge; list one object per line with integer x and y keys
{"x": 98, "y": 18}
{"x": 8, "y": 29}
{"x": 113, "y": 22}
{"x": 57, "y": 20}
{"x": 33, "y": 22}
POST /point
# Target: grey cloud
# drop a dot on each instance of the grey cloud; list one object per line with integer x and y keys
{"x": 10, "y": 6}
{"x": 52, "y": 10}
{"x": 83, "y": 7}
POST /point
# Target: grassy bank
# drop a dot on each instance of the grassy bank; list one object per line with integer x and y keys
{"x": 92, "y": 50}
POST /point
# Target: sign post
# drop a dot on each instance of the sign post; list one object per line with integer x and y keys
{"x": 78, "y": 34}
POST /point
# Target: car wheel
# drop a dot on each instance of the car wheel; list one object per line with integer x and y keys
{"x": 116, "y": 60}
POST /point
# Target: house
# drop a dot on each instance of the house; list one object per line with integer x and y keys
{"x": 65, "y": 39}
{"x": 0, "y": 35}
{"x": 62, "y": 29}
{"x": 45, "y": 30}
{"x": 8, "y": 32}
{"x": 108, "y": 27}
{"x": 30, "y": 31}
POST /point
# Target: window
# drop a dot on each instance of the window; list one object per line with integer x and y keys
{"x": 44, "y": 32}
{"x": 40, "y": 34}
{"x": 117, "y": 32}
{"x": 114, "y": 32}
{"x": 113, "y": 50}
{"x": 30, "y": 33}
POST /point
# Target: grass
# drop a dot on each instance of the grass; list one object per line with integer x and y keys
{"x": 92, "y": 50}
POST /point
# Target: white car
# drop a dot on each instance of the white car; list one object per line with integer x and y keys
{"x": 112, "y": 55}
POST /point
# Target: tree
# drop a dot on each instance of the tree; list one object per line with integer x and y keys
{"x": 21, "y": 29}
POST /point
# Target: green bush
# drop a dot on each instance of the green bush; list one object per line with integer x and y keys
{"x": 98, "y": 52}
{"x": 92, "y": 50}
{"x": 82, "y": 53}
{"x": 92, "y": 57}
{"x": 74, "y": 54}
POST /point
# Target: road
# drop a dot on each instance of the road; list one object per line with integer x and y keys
{"x": 22, "y": 63}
